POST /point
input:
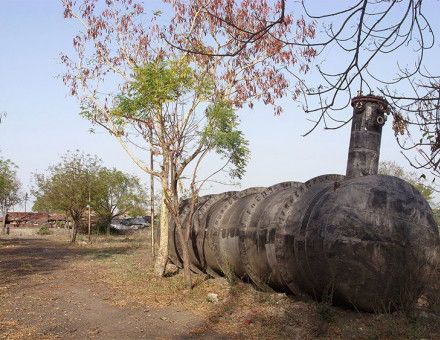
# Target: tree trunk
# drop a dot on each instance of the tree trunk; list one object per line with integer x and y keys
{"x": 5, "y": 217}
{"x": 183, "y": 235}
{"x": 108, "y": 227}
{"x": 162, "y": 253}
{"x": 74, "y": 231}
{"x": 153, "y": 225}
{"x": 186, "y": 263}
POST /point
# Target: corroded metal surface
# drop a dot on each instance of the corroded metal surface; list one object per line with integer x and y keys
{"x": 366, "y": 131}
{"x": 365, "y": 240}
{"x": 361, "y": 240}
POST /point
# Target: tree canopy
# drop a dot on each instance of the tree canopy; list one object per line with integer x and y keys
{"x": 169, "y": 96}
{"x": 9, "y": 186}
{"x": 116, "y": 193}
{"x": 183, "y": 120}
{"x": 132, "y": 78}
{"x": 358, "y": 47}
{"x": 80, "y": 180}
{"x": 66, "y": 186}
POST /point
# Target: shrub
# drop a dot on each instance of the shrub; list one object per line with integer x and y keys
{"x": 100, "y": 227}
{"x": 59, "y": 224}
{"x": 44, "y": 231}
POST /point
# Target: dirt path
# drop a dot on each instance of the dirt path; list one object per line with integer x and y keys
{"x": 46, "y": 293}
{"x": 107, "y": 290}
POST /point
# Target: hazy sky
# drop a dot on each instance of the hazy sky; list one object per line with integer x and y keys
{"x": 42, "y": 120}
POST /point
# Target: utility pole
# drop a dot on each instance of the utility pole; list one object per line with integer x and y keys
{"x": 152, "y": 193}
{"x": 88, "y": 206}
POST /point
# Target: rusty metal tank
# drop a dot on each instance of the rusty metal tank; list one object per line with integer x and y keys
{"x": 363, "y": 240}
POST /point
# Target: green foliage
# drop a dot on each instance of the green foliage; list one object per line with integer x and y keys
{"x": 79, "y": 180}
{"x": 117, "y": 193}
{"x": 158, "y": 83}
{"x": 222, "y": 135}
{"x": 436, "y": 212}
{"x": 419, "y": 182}
{"x": 100, "y": 227}
{"x": 44, "y": 231}
{"x": 9, "y": 184}
{"x": 67, "y": 185}
{"x": 59, "y": 224}
{"x": 161, "y": 83}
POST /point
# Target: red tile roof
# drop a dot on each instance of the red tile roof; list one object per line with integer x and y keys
{"x": 33, "y": 217}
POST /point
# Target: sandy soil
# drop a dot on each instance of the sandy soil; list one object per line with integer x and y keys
{"x": 106, "y": 289}
{"x": 48, "y": 290}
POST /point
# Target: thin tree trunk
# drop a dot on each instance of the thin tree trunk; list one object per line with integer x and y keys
{"x": 186, "y": 266}
{"x": 183, "y": 234}
{"x": 107, "y": 230}
{"x": 89, "y": 225}
{"x": 185, "y": 257}
{"x": 5, "y": 217}
{"x": 162, "y": 253}
{"x": 152, "y": 203}
{"x": 108, "y": 221}
{"x": 74, "y": 231}
{"x": 89, "y": 212}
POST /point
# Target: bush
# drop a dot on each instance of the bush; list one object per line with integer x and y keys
{"x": 44, "y": 231}
{"x": 100, "y": 227}
{"x": 59, "y": 224}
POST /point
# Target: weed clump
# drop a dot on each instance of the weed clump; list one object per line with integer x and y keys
{"x": 325, "y": 311}
{"x": 229, "y": 274}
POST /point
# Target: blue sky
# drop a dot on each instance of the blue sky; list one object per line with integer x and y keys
{"x": 42, "y": 120}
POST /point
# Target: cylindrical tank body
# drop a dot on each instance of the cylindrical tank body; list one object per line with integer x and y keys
{"x": 365, "y": 240}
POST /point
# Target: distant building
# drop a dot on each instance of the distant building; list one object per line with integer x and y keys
{"x": 28, "y": 219}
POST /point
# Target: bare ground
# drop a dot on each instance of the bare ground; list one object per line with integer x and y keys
{"x": 48, "y": 292}
{"x": 106, "y": 290}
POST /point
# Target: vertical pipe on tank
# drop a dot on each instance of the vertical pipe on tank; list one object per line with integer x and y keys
{"x": 366, "y": 132}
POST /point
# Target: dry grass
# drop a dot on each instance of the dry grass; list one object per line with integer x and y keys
{"x": 12, "y": 330}
{"x": 120, "y": 269}
{"x": 241, "y": 311}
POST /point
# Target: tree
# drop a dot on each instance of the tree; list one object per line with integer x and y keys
{"x": 9, "y": 188}
{"x": 368, "y": 33}
{"x": 244, "y": 44}
{"x": 360, "y": 34}
{"x": 418, "y": 181}
{"x": 117, "y": 193}
{"x": 169, "y": 94}
{"x": 66, "y": 187}
{"x": 180, "y": 105}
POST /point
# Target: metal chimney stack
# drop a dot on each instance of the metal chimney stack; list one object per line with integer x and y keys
{"x": 366, "y": 132}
